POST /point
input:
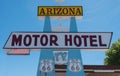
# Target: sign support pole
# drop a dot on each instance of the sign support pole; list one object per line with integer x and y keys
{"x": 46, "y": 54}
{"x": 74, "y": 54}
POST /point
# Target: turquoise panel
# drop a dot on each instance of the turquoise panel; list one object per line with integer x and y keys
{"x": 46, "y": 53}
{"x": 74, "y": 53}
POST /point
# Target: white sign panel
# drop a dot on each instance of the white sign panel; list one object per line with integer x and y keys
{"x": 56, "y": 40}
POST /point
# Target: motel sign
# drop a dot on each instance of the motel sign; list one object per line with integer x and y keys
{"x": 56, "y": 46}
{"x": 22, "y": 40}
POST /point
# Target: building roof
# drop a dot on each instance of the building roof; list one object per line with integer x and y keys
{"x": 92, "y": 68}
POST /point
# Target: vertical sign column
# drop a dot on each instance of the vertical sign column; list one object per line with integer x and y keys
{"x": 75, "y": 65}
{"x": 46, "y": 62}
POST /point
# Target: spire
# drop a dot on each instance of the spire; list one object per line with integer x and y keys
{"x": 47, "y": 25}
{"x": 46, "y": 54}
{"x": 73, "y": 25}
{"x": 74, "y": 54}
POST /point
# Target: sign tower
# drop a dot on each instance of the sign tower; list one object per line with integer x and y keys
{"x": 58, "y": 45}
{"x": 60, "y": 56}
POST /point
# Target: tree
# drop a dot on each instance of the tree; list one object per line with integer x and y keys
{"x": 113, "y": 54}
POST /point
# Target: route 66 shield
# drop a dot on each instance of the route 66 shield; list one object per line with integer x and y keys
{"x": 74, "y": 65}
{"x": 46, "y": 66}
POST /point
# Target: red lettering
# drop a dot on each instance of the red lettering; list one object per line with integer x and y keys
{"x": 100, "y": 41}
{"x": 68, "y": 40}
{"x": 85, "y": 39}
{"x": 16, "y": 40}
{"x": 27, "y": 40}
{"x": 53, "y": 40}
{"x": 77, "y": 40}
{"x": 35, "y": 39}
{"x": 44, "y": 40}
{"x": 92, "y": 40}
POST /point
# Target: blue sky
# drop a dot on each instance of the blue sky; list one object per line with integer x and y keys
{"x": 21, "y": 15}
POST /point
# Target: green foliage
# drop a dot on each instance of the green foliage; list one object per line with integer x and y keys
{"x": 113, "y": 54}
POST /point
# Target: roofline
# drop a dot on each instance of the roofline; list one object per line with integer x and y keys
{"x": 92, "y": 68}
